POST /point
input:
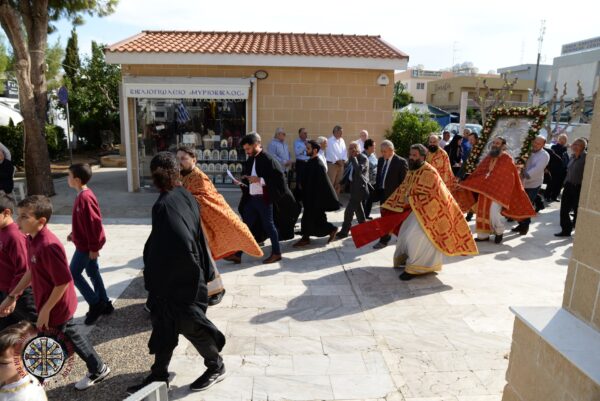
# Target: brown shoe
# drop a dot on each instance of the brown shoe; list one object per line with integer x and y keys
{"x": 302, "y": 242}
{"x": 272, "y": 259}
{"x": 234, "y": 258}
{"x": 332, "y": 235}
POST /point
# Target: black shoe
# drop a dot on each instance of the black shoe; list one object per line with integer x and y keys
{"x": 150, "y": 379}
{"x": 477, "y": 239}
{"x": 215, "y": 299}
{"x": 469, "y": 216}
{"x": 516, "y": 229}
{"x": 208, "y": 379}
{"x": 341, "y": 235}
{"x": 379, "y": 245}
{"x": 95, "y": 312}
{"x": 562, "y": 234}
{"x": 498, "y": 238}
{"x": 108, "y": 308}
{"x": 509, "y": 219}
{"x": 406, "y": 276}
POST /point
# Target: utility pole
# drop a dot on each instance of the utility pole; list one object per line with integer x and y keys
{"x": 454, "y": 51}
{"x": 539, "y": 55}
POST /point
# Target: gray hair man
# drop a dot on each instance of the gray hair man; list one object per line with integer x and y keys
{"x": 572, "y": 189}
{"x": 532, "y": 176}
{"x": 391, "y": 170}
{"x": 278, "y": 148}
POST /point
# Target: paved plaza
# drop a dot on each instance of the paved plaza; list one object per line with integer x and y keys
{"x": 331, "y": 322}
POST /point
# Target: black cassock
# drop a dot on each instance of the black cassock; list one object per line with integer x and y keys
{"x": 285, "y": 208}
{"x": 318, "y": 197}
{"x": 176, "y": 270}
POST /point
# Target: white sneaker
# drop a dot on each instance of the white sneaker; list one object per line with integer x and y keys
{"x": 90, "y": 379}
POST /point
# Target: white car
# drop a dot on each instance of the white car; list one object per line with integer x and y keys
{"x": 453, "y": 128}
{"x": 7, "y": 113}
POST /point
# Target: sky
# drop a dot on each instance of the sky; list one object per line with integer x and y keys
{"x": 434, "y": 33}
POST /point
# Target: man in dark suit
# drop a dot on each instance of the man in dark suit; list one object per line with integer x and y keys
{"x": 356, "y": 179}
{"x": 391, "y": 170}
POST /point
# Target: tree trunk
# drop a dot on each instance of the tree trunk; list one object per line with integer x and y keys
{"x": 29, "y": 50}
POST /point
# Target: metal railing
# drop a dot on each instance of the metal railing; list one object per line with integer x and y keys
{"x": 156, "y": 391}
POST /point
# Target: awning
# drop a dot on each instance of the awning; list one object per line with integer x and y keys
{"x": 186, "y": 88}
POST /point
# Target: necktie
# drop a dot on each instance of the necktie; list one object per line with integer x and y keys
{"x": 383, "y": 171}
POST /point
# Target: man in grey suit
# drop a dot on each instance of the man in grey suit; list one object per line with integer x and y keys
{"x": 391, "y": 170}
{"x": 356, "y": 178}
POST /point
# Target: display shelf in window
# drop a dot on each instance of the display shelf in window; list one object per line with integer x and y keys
{"x": 224, "y": 155}
{"x": 218, "y": 179}
{"x": 206, "y": 154}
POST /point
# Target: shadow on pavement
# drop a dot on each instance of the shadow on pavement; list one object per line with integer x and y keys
{"x": 371, "y": 287}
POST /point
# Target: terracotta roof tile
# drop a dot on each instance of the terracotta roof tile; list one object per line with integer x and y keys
{"x": 285, "y": 44}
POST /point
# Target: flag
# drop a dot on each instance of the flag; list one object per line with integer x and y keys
{"x": 182, "y": 114}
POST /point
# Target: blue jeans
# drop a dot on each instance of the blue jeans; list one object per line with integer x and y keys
{"x": 81, "y": 260}
{"x": 531, "y": 193}
{"x": 256, "y": 208}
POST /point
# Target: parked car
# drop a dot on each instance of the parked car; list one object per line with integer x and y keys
{"x": 7, "y": 113}
{"x": 454, "y": 128}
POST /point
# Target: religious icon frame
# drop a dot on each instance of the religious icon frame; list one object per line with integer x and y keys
{"x": 518, "y": 125}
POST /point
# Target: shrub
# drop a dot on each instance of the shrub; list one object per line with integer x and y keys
{"x": 12, "y": 137}
{"x": 410, "y": 128}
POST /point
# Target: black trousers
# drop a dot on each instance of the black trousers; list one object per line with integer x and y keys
{"x": 569, "y": 202}
{"x": 355, "y": 206}
{"x": 195, "y": 334}
{"x": 24, "y": 310}
{"x": 300, "y": 167}
{"x": 81, "y": 345}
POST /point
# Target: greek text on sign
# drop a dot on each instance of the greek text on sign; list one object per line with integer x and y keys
{"x": 186, "y": 91}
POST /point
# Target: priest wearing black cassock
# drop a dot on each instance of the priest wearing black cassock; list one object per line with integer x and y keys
{"x": 318, "y": 197}
{"x": 267, "y": 205}
{"x": 175, "y": 274}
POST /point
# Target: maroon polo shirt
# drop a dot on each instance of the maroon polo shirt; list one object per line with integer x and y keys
{"x": 87, "y": 231}
{"x": 49, "y": 269}
{"x": 13, "y": 257}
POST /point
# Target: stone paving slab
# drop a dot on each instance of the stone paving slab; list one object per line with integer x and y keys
{"x": 332, "y": 322}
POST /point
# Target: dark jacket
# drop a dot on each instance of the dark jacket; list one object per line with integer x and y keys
{"x": 358, "y": 168}
{"x": 7, "y": 170}
{"x": 318, "y": 192}
{"x": 276, "y": 191}
{"x": 398, "y": 166}
{"x": 176, "y": 263}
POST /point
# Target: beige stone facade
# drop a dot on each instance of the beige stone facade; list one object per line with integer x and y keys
{"x": 314, "y": 98}
{"x": 445, "y": 93}
{"x": 415, "y": 81}
{"x": 538, "y": 370}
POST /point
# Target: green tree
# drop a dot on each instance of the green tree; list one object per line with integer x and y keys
{"x": 72, "y": 62}
{"x": 26, "y": 23}
{"x": 54, "y": 55}
{"x": 94, "y": 100}
{"x": 4, "y": 60}
{"x": 401, "y": 97}
{"x": 410, "y": 128}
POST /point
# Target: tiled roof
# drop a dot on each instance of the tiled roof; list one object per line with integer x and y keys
{"x": 258, "y": 43}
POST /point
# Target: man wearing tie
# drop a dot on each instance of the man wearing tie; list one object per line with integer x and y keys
{"x": 391, "y": 170}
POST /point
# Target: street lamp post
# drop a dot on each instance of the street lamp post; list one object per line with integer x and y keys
{"x": 537, "y": 66}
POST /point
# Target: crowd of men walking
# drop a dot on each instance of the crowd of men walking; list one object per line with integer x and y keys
{"x": 423, "y": 201}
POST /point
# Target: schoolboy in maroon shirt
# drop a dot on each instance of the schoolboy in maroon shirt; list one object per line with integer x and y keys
{"x": 52, "y": 285}
{"x": 13, "y": 265}
{"x": 88, "y": 237}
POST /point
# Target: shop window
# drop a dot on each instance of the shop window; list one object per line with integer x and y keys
{"x": 213, "y": 127}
